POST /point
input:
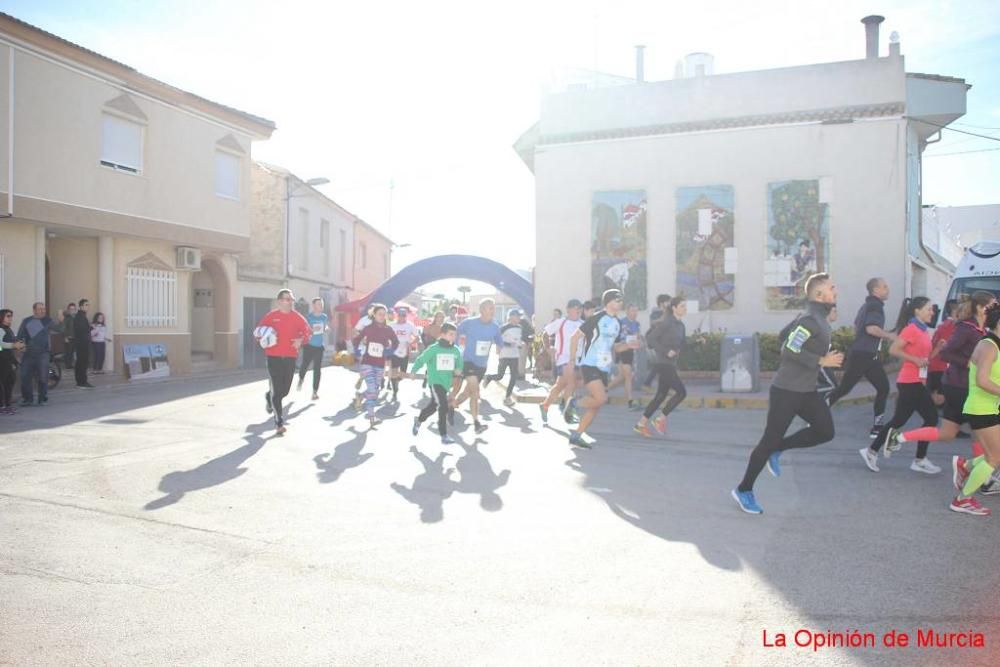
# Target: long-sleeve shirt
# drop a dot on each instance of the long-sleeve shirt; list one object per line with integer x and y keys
{"x": 289, "y": 326}
{"x": 442, "y": 360}
{"x": 957, "y": 352}
{"x": 668, "y": 335}
{"x": 34, "y": 332}
{"x": 942, "y": 333}
{"x": 806, "y": 341}
{"x": 380, "y": 341}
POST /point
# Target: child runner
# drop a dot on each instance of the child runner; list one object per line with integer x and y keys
{"x": 982, "y": 409}
{"x": 442, "y": 359}
{"x": 913, "y": 346}
{"x": 666, "y": 340}
{"x": 431, "y": 333}
{"x": 479, "y": 334}
{"x": 359, "y": 353}
{"x": 291, "y": 330}
{"x": 626, "y": 358}
{"x": 600, "y": 336}
{"x": 407, "y": 334}
{"x": 560, "y": 331}
{"x": 380, "y": 341}
{"x": 312, "y": 353}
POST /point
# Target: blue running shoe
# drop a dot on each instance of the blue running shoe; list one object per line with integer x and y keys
{"x": 747, "y": 502}
{"x": 416, "y": 425}
{"x": 772, "y": 464}
{"x": 545, "y": 414}
{"x": 447, "y": 440}
{"x": 576, "y": 439}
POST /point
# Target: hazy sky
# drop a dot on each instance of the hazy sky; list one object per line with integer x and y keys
{"x": 431, "y": 95}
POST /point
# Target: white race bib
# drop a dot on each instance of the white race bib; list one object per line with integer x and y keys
{"x": 318, "y": 328}
{"x": 482, "y": 348}
{"x": 923, "y": 372}
{"x": 631, "y": 339}
{"x": 375, "y": 350}
{"x": 603, "y": 359}
{"x": 445, "y": 362}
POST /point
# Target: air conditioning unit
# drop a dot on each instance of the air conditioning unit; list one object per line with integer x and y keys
{"x": 188, "y": 259}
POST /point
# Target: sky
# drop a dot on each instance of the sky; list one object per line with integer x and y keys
{"x": 411, "y": 109}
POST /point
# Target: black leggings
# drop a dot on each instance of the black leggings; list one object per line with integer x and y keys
{"x": 783, "y": 407}
{"x": 863, "y": 365}
{"x": 311, "y": 355}
{"x": 8, "y": 377}
{"x": 281, "y": 371}
{"x": 512, "y": 364}
{"x": 913, "y": 397}
{"x": 439, "y": 402}
{"x": 100, "y": 350}
{"x": 667, "y": 379}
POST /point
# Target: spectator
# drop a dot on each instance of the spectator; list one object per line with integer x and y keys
{"x": 98, "y": 340}
{"x": 81, "y": 339}
{"x": 34, "y": 333}
{"x": 64, "y": 326}
{"x": 8, "y": 345}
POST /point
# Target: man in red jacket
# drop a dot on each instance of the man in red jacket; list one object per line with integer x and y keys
{"x": 291, "y": 329}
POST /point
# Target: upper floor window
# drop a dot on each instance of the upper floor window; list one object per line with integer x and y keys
{"x": 363, "y": 255}
{"x": 324, "y": 244}
{"x": 121, "y": 144}
{"x": 227, "y": 175}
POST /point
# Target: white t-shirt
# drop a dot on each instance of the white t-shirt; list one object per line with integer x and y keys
{"x": 406, "y": 332}
{"x": 561, "y": 331}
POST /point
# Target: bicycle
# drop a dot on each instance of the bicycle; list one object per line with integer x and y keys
{"x": 55, "y": 370}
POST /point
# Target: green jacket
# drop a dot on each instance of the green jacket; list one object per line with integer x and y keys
{"x": 441, "y": 362}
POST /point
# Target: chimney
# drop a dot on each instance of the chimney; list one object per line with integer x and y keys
{"x": 640, "y": 63}
{"x": 871, "y": 35}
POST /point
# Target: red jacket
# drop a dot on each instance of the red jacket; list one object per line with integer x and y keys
{"x": 942, "y": 333}
{"x": 289, "y": 326}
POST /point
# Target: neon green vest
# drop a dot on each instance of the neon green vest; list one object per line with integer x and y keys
{"x": 980, "y": 401}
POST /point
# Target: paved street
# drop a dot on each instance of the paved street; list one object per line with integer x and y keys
{"x": 163, "y": 524}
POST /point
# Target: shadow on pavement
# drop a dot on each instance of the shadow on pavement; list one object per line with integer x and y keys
{"x": 429, "y": 488}
{"x": 219, "y": 470}
{"x": 346, "y": 455}
{"x": 476, "y": 476}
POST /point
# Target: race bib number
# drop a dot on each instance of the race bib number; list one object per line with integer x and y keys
{"x": 375, "y": 350}
{"x": 603, "y": 359}
{"x": 318, "y": 328}
{"x": 923, "y": 372}
{"x": 797, "y": 339}
{"x": 631, "y": 339}
{"x": 482, "y": 348}
{"x": 445, "y": 362}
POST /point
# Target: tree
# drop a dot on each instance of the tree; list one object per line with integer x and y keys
{"x": 464, "y": 289}
{"x": 798, "y": 214}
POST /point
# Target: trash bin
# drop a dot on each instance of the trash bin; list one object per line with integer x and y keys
{"x": 739, "y": 366}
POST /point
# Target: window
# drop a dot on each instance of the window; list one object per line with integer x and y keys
{"x": 151, "y": 296}
{"x": 227, "y": 175}
{"x": 363, "y": 255}
{"x": 121, "y": 144}
{"x": 304, "y": 246}
{"x": 324, "y": 244}
{"x": 343, "y": 255}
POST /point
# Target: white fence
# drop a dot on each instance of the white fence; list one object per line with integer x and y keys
{"x": 152, "y": 298}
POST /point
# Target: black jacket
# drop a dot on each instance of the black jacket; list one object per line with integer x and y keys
{"x": 81, "y": 330}
{"x": 668, "y": 334}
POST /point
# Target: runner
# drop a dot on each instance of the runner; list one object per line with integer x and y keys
{"x": 666, "y": 341}
{"x": 512, "y": 335}
{"x": 408, "y": 335}
{"x": 982, "y": 409}
{"x": 281, "y": 332}
{"x": 379, "y": 340}
{"x": 431, "y": 333}
{"x": 805, "y": 347}
{"x": 626, "y": 358}
{"x": 913, "y": 346}
{"x": 560, "y": 332}
{"x": 570, "y": 415}
{"x": 359, "y": 353}
{"x": 479, "y": 334}
{"x": 600, "y": 337}
{"x": 662, "y": 306}
{"x": 937, "y": 367}
{"x": 313, "y": 352}
{"x": 441, "y": 358}
{"x": 863, "y": 356}
{"x": 825, "y": 381}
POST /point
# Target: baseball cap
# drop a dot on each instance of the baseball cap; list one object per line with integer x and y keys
{"x": 515, "y": 311}
{"x": 574, "y": 303}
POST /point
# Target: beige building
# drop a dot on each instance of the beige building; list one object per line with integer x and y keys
{"x": 299, "y": 239}
{"x": 122, "y": 189}
{"x": 372, "y": 259}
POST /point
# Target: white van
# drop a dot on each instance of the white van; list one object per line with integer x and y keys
{"x": 978, "y": 270}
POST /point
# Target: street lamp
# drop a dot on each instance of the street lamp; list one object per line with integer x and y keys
{"x": 289, "y": 193}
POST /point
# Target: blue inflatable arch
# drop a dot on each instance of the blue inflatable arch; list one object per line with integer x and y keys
{"x": 456, "y": 266}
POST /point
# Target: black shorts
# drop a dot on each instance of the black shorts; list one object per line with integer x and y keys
{"x": 626, "y": 357}
{"x": 979, "y": 422}
{"x": 402, "y": 363}
{"x": 591, "y": 374}
{"x": 934, "y": 381}
{"x": 954, "y": 401}
{"x": 470, "y": 369}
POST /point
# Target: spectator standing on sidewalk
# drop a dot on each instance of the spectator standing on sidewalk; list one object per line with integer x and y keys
{"x": 64, "y": 325}
{"x": 8, "y": 375}
{"x": 98, "y": 341}
{"x": 34, "y": 333}
{"x": 81, "y": 339}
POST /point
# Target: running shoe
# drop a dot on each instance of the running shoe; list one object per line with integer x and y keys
{"x": 773, "y": 466}
{"x": 373, "y": 422}
{"x": 968, "y": 506}
{"x": 892, "y": 443}
{"x": 416, "y": 425}
{"x": 746, "y": 501}
{"x": 479, "y": 427}
{"x": 924, "y": 465}
{"x": 958, "y": 472}
{"x": 267, "y": 403}
{"x": 576, "y": 439}
{"x": 281, "y": 429}
{"x": 509, "y": 402}
{"x": 991, "y": 488}
{"x": 447, "y": 440}
{"x": 660, "y": 424}
{"x": 872, "y": 434}
{"x": 643, "y": 430}
{"x": 315, "y": 396}
{"x": 545, "y": 413}
{"x": 890, "y": 434}
{"x": 870, "y": 457}
{"x": 569, "y": 415}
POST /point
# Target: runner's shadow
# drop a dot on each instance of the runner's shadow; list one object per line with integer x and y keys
{"x": 346, "y": 455}
{"x": 218, "y": 471}
{"x": 430, "y": 488}
{"x": 515, "y": 419}
{"x": 476, "y": 476}
{"x": 343, "y": 415}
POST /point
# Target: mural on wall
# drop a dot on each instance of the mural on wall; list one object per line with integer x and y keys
{"x": 798, "y": 241}
{"x": 706, "y": 256}
{"x": 618, "y": 244}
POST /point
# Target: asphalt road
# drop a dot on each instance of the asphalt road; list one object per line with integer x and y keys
{"x": 164, "y": 524}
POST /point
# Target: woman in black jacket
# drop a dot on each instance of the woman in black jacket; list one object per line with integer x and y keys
{"x": 665, "y": 342}
{"x": 8, "y": 345}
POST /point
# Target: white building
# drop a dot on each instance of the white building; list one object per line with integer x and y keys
{"x": 732, "y": 189}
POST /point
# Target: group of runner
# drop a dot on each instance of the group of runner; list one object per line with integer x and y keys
{"x": 593, "y": 338}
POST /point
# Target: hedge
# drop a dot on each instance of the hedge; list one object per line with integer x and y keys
{"x": 703, "y": 349}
